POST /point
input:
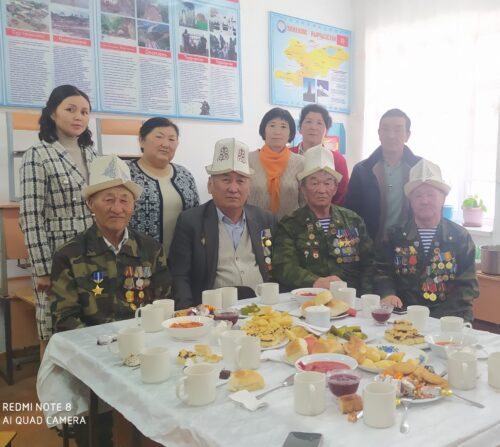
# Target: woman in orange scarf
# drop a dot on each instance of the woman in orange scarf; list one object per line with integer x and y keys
{"x": 275, "y": 186}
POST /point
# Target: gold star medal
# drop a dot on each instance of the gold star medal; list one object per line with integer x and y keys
{"x": 97, "y": 290}
{"x": 97, "y": 277}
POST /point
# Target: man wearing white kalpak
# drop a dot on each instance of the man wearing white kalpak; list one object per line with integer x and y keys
{"x": 429, "y": 260}
{"x": 223, "y": 242}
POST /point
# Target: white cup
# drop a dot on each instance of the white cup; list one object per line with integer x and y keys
{"x": 268, "y": 292}
{"x": 336, "y": 285}
{"x": 494, "y": 370}
{"x": 197, "y": 387}
{"x": 229, "y": 343}
{"x": 229, "y": 297}
{"x": 318, "y": 315}
{"x": 155, "y": 365}
{"x": 367, "y": 302}
{"x": 453, "y": 324}
{"x": 418, "y": 315}
{"x": 462, "y": 370}
{"x": 379, "y": 404}
{"x": 309, "y": 389}
{"x": 130, "y": 341}
{"x": 212, "y": 298}
{"x": 248, "y": 352}
{"x": 151, "y": 317}
{"x": 168, "y": 307}
{"x": 347, "y": 295}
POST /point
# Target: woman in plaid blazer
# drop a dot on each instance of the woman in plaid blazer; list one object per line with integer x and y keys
{"x": 53, "y": 174}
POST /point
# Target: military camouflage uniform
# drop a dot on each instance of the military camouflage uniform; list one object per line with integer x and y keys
{"x": 303, "y": 252}
{"x": 91, "y": 285}
{"x": 444, "y": 279}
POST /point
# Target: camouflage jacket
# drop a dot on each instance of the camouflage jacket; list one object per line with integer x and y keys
{"x": 91, "y": 285}
{"x": 303, "y": 252}
{"x": 444, "y": 279}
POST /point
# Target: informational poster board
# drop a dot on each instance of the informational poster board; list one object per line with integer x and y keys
{"x": 309, "y": 63}
{"x": 151, "y": 57}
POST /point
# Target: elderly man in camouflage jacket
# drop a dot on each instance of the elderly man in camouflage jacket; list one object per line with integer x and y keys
{"x": 109, "y": 270}
{"x": 429, "y": 260}
{"x": 321, "y": 242}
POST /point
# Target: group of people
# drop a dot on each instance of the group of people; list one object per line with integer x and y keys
{"x": 105, "y": 236}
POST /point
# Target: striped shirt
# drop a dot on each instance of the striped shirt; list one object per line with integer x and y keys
{"x": 426, "y": 236}
{"x": 325, "y": 224}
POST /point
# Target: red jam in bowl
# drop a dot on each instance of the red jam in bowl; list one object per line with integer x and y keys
{"x": 342, "y": 383}
{"x": 226, "y": 315}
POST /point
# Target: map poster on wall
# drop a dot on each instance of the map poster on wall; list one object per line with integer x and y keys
{"x": 208, "y": 59}
{"x": 46, "y": 44}
{"x": 310, "y": 63}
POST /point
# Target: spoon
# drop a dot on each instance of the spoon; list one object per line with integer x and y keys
{"x": 405, "y": 425}
{"x": 287, "y": 382}
{"x": 452, "y": 393}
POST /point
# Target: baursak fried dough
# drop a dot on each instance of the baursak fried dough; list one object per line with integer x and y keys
{"x": 404, "y": 367}
{"x": 356, "y": 348}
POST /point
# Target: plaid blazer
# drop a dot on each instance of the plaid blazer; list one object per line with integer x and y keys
{"x": 52, "y": 210}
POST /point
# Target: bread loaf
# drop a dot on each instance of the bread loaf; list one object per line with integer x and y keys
{"x": 296, "y": 349}
{"x": 245, "y": 379}
{"x": 350, "y": 403}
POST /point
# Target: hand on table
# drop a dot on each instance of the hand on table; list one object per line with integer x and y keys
{"x": 324, "y": 283}
{"x": 393, "y": 300}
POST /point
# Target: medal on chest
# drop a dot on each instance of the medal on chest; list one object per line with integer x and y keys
{"x": 97, "y": 278}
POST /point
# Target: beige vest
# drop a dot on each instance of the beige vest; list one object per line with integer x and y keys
{"x": 236, "y": 267}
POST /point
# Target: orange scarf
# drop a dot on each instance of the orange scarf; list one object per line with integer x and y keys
{"x": 274, "y": 164}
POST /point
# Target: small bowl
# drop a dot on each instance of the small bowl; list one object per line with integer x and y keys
{"x": 381, "y": 313}
{"x": 441, "y": 342}
{"x": 192, "y": 333}
{"x": 343, "y": 381}
{"x": 230, "y": 315}
{"x": 306, "y": 294}
{"x": 345, "y": 361}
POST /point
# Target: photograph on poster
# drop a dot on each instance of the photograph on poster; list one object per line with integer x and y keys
{"x": 223, "y": 20}
{"x": 309, "y": 94}
{"x": 118, "y": 30}
{"x": 122, "y": 7}
{"x": 223, "y": 34}
{"x": 70, "y": 21}
{"x": 194, "y": 42}
{"x": 193, "y": 16}
{"x": 322, "y": 88}
{"x": 153, "y": 35}
{"x": 28, "y": 15}
{"x": 76, "y": 3}
{"x": 154, "y": 10}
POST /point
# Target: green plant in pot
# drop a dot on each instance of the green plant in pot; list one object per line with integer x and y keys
{"x": 473, "y": 208}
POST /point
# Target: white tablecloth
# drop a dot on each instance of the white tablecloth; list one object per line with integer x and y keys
{"x": 73, "y": 361}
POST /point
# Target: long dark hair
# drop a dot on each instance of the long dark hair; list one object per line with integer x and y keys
{"x": 48, "y": 126}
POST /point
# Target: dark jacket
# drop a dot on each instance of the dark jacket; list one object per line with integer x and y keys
{"x": 366, "y": 191}
{"x": 444, "y": 279}
{"x": 193, "y": 255}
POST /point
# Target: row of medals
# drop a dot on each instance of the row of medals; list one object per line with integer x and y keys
{"x": 137, "y": 280}
{"x": 344, "y": 241}
{"x": 442, "y": 268}
{"x": 267, "y": 245}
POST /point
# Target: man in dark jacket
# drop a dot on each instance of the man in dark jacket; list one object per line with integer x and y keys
{"x": 375, "y": 189}
{"x": 222, "y": 242}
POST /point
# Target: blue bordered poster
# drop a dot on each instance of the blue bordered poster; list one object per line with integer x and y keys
{"x": 140, "y": 57}
{"x": 309, "y": 63}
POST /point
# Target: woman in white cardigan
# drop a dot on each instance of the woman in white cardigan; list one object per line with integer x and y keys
{"x": 53, "y": 173}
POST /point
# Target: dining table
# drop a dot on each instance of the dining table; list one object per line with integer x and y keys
{"x": 75, "y": 365}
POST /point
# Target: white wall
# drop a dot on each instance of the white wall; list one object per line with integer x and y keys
{"x": 198, "y": 137}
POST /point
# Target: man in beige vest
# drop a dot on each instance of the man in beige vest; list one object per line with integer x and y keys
{"x": 223, "y": 242}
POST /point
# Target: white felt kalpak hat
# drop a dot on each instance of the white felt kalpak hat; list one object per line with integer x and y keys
{"x": 318, "y": 158}
{"x": 230, "y": 155}
{"x": 109, "y": 171}
{"x": 425, "y": 172}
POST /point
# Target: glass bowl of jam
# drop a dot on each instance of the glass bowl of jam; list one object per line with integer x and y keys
{"x": 231, "y": 315}
{"x": 381, "y": 313}
{"x": 343, "y": 381}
